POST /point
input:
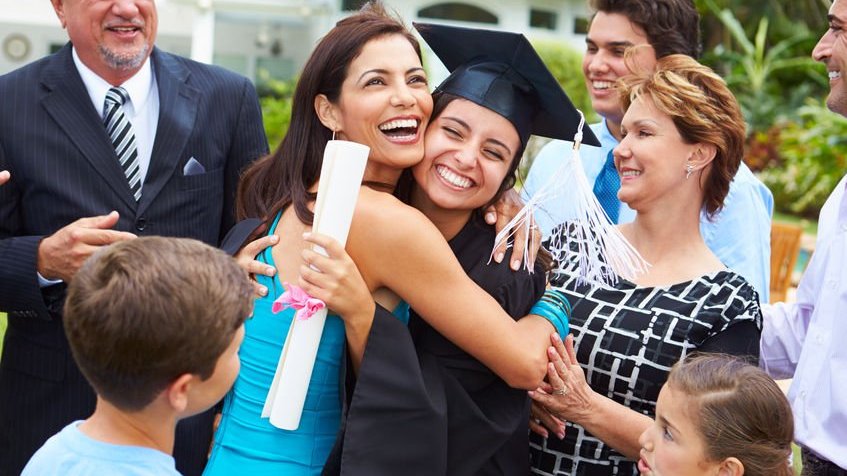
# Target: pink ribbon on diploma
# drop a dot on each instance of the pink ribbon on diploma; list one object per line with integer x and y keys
{"x": 295, "y": 298}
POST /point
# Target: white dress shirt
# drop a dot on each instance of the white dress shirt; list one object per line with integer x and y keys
{"x": 142, "y": 109}
{"x": 805, "y": 339}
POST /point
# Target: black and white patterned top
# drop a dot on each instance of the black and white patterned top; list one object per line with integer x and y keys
{"x": 627, "y": 338}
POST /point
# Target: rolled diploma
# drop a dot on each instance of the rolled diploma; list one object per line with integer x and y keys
{"x": 338, "y": 189}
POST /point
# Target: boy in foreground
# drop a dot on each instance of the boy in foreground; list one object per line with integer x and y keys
{"x": 155, "y": 325}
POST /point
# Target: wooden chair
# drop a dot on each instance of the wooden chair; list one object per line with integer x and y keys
{"x": 785, "y": 247}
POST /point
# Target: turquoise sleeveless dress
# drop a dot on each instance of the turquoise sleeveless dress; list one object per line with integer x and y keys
{"x": 245, "y": 443}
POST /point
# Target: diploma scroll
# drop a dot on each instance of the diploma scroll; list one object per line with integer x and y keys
{"x": 341, "y": 177}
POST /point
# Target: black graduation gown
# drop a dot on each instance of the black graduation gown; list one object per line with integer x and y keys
{"x": 421, "y": 405}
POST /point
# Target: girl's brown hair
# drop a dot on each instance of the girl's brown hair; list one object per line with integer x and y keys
{"x": 740, "y": 411}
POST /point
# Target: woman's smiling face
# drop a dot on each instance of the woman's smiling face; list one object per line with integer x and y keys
{"x": 385, "y": 102}
{"x": 651, "y": 157}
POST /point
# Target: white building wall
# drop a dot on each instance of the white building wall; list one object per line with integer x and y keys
{"x": 36, "y": 21}
{"x": 296, "y": 24}
{"x": 32, "y": 21}
{"x": 512, "y": 15}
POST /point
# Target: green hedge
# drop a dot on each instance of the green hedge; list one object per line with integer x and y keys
{"x": 276, "y": 99}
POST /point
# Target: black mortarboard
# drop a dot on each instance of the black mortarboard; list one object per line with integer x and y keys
{"x": 501, "y": 71}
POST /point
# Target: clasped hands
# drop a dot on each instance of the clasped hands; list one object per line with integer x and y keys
{"x": 564, "y": 395}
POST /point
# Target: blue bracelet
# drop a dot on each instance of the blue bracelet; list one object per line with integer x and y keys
{"x": 556, "y": 308}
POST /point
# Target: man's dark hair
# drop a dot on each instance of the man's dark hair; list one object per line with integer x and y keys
{"x": 671, "y": 26}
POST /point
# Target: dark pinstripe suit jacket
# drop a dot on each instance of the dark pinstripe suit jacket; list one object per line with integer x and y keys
{"x": 53, "y": 141}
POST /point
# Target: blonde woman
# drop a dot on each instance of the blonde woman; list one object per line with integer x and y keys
{"x": 683, "y": 142}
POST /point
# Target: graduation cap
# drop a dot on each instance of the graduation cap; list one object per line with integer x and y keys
{"x": 501, "y": 71}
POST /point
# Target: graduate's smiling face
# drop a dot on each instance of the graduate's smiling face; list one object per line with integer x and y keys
{"x": 469, "y": 151}
{"x": 112, "y": 37}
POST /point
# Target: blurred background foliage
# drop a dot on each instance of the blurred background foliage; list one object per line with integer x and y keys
{"x": 809, "y": 158}
{"x": 763, "y": 50}
{"x": 566, "y": 65}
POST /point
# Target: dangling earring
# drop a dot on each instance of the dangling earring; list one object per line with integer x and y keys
{"x": 333, "y": 134}
{"x": 689, "y": 168}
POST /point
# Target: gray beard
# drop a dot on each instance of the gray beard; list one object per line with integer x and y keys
{"x": 124, "y": 62}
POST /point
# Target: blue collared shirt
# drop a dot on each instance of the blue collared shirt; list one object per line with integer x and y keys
{"x": 739, "y": 235}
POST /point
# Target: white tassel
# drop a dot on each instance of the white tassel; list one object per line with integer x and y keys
{"x": 604, "y": 255}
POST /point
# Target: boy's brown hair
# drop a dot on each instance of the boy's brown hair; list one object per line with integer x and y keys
{"x": 142, "y": 312}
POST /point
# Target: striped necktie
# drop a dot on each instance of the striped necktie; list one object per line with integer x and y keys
{"x": 123, "y": 138}
{"x": 606, "y": 188}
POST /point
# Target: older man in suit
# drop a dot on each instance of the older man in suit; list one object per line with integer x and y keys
{"x": 109, "y": 138}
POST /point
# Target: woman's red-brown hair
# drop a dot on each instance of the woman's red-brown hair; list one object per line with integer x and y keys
{"x": 703, "y": 109}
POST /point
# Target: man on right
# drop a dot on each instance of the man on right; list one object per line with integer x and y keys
{"x": 804, "y": 339}
{"x": 740, "y": 234}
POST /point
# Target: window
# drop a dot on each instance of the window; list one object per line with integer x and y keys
{"x": 232, "y": 62}
{"x": 278, "y": 69}
{"x": 458, "y": 12}
{"x": 542, "y": 19}
{"x": 580, "y": 26}
{"x": 351, "y": 5}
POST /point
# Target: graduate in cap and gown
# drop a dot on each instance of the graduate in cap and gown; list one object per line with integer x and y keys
{"x": 420, "y": 404}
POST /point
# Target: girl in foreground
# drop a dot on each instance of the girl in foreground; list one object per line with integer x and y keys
{"x": 718, "y": 415}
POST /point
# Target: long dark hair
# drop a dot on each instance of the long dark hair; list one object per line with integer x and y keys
{"x": 284, "y": 177}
